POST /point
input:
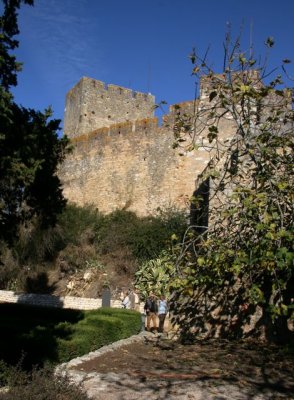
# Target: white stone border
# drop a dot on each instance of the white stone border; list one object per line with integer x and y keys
{"x": 46, "y": 300}
{"x": 67, "y": 369}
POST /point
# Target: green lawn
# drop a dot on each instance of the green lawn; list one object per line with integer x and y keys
{"x": 37, "y": 336}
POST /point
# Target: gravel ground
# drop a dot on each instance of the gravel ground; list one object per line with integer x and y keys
{"x": 150, "y": 367}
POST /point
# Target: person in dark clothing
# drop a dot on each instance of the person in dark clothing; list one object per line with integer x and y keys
{"x": 151, "y": 310}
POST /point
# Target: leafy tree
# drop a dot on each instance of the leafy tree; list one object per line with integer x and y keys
{"x": 243, "y": 261}
{"x": 30, "y": 149}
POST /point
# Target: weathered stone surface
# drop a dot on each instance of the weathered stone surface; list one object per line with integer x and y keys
{"x": 128, "y": 161}
{"x": 92, "y": 104}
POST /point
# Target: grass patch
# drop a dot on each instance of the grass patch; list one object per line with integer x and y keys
{"x": 41, "y": 336}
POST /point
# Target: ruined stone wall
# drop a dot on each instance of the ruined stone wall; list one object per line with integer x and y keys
{"x": 127, "y": 161}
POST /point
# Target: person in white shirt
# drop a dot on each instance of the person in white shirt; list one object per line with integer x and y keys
{"x": 126, "y": 301}
{"x": 162, "y": 311}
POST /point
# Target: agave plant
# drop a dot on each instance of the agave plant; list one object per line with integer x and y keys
{"x": 154, "y": 275}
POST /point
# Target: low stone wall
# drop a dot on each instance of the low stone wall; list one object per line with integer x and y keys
{"x": 45, "y": 300}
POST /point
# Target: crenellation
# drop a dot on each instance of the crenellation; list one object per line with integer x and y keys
{"x": 91, "y": 104}
{"x": 120, "y": 91}
{"x": 127, "y": 127}
{"x": 98, "y": 85}
{"x": 122, "y": 158}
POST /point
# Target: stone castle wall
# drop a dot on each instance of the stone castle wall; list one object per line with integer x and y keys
{"x": 127, "y": 161}
{"x": 92, "y": 104}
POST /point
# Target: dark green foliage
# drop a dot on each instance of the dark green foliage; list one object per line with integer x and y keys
{"x": 30, "y": 149}
{"x": 115, "y": 230}
{"x": 9, "y": 28}
{"x": 44, "y": 335}
{"x": 31, "y": 331}
{"x": 30, "y": 152}
{"x": 146, "y": 237}
{"x": 97, "y": 330}
{"x": 78, "y": 224}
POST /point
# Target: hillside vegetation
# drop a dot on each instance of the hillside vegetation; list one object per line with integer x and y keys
{"x": 86, "y": 250}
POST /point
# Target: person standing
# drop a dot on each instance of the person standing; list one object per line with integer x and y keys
{"x": 162, "y": 311}
{"x": 137, "y": 300}
{"x": 132, "y": 299}
{"x": 126, "y": 301}
{"x": 151, "y": 309}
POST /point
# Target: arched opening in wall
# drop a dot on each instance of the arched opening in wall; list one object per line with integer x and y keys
{"x": 199, "y": 209}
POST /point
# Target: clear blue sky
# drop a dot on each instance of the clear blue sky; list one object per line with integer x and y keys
{"x": 140, "y": 44}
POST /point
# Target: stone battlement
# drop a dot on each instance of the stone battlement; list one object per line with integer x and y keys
{"x": 121, "y": 128}
{"x": 103, "y": 88}
{"x": 92, "y": 104}
{"x": 122, "y": 158}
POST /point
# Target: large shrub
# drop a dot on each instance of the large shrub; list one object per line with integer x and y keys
{"x": 146, "y": 237}
{"x": 40, "y": 336}
{"x": 98, "y": 329}
{"x": 79, "y": 224}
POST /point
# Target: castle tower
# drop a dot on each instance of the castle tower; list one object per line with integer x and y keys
{"x": 92, "y": 104}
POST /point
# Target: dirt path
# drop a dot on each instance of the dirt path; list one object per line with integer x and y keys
{"x": 156, "y": 368}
